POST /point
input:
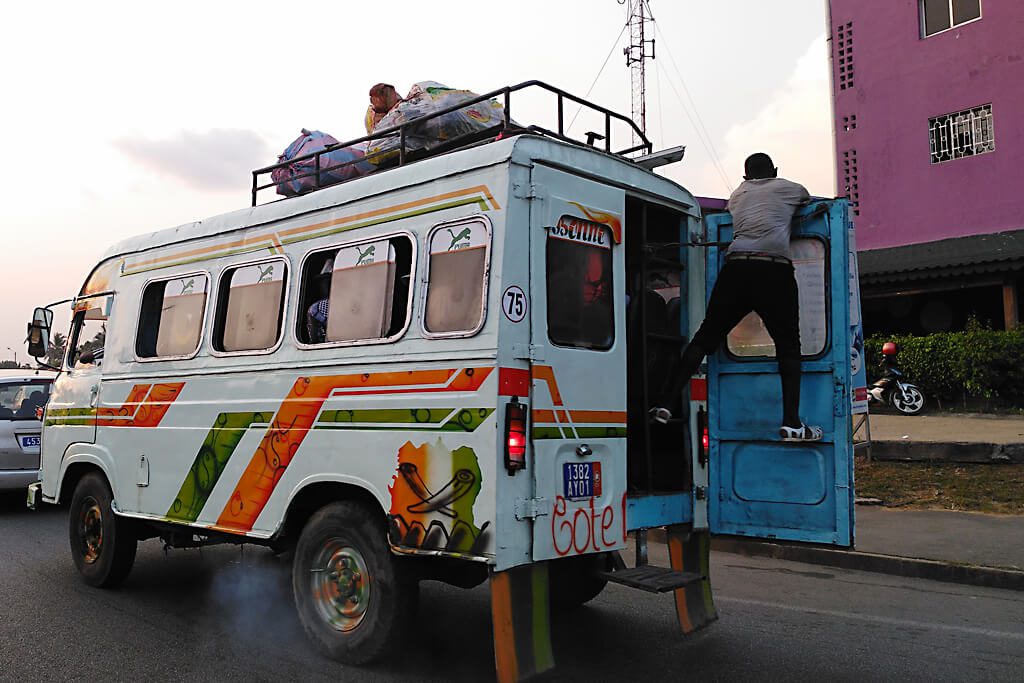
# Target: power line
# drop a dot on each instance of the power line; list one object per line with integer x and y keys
{"x": 598, "y": 76}
{"x": 705, "y": 143}
{"x": 699, "y": 127}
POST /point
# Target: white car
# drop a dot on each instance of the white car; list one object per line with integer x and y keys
{"x": 23, "y": 394}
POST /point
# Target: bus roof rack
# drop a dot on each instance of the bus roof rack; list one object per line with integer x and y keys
{"x": 506, "y": 128}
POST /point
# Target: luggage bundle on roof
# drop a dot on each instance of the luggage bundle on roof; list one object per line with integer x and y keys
{"x": 432, "y": 119}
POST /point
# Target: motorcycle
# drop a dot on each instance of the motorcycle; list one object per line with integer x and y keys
{"x": 892, "y": 389}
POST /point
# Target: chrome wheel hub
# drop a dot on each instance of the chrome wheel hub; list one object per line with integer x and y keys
{"x": 90, "y": 530}
{"x": 340, "y": 584}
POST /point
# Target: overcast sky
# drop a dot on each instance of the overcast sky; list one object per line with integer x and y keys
{"x": 127, "y": 117}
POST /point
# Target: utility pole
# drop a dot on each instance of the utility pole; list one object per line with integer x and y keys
{"x": 636, "y": 56}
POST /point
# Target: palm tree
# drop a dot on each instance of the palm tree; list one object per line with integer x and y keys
{"x": 55, "y": 356}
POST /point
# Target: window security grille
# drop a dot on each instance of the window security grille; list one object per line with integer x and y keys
{"x": 962, "y": 134}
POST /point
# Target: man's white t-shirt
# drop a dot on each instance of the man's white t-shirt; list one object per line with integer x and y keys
{"x": 761, "y": 211}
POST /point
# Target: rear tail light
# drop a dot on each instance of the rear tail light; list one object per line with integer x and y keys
{"x": 515, "y": 436}
{"x": 705, "y": 437}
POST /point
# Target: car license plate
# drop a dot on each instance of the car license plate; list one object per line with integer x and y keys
{"x": 581, "y": 480}
{"x": 30, "y": 441}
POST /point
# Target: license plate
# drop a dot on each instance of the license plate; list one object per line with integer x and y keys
{"x": 30, "y": 441}
{"x": 581, "y": 480}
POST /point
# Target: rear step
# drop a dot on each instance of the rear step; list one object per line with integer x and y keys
{"x": 652, "y": 579}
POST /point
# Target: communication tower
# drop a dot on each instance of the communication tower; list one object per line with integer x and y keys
{"x": 637, "y": 54}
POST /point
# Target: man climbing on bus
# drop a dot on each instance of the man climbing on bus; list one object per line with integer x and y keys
{"x": 757, "y": 276}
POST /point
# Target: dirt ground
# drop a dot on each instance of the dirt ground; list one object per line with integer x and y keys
{"x": 995, "y": 488}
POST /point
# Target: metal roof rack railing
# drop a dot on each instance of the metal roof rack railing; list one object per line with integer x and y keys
{"x": 507, "y": 126}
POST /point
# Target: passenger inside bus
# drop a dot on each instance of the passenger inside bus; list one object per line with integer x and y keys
{"x": 359, "y": 292}
{"x": 316, "y": 314}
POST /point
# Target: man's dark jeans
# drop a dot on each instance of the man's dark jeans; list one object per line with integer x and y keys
{"x": 769, "y": 289}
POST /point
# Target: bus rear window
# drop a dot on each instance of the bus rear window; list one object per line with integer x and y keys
{"x": 579, "y": 280}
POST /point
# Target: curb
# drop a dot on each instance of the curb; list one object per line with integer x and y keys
{"x": 911, "y": 567}
{"x": 963, "y": 452}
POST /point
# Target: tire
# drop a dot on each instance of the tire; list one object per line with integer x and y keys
{"x": 354, "y": 598}
{"x": 574, "y": 581}
{"x": 103, "y": 545}
{"x": 914, "y": 402}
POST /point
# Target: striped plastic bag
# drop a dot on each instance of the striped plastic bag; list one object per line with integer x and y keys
{"x": 338, "y": 165}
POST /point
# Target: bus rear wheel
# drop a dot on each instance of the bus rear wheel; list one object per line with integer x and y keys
{"x": 353, "y": 596}
{"x": 103, "y": 545}
{"x": 575, "y": 581}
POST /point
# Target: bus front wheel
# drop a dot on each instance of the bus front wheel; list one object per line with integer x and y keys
{"x": 353, "y": 596}
{"x": 103, "y": 545}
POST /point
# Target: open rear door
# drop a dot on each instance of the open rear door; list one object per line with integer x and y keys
{"x": 761, "y": 486}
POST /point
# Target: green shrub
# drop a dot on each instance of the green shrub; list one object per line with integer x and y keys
{"x": 977, "y": 364}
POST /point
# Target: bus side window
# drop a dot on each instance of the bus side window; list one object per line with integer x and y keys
{"x": 171, "y": 317}
{"x": 456, "y": 283}
{"x": 358, "y": 292}
{"x": 89, "y": 332}
{"x": 250, "y": 307}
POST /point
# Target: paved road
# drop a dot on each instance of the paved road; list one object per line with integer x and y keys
{"x": 225, "y": 614}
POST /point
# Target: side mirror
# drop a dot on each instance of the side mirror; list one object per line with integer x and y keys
{"x": 39, "y": 332}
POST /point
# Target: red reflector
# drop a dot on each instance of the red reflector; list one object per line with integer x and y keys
{"x": 698, "y": 390}
{"x": 513, "y": 382}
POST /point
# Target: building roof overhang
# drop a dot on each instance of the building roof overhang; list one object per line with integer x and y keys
{"x": 954, "y": 258}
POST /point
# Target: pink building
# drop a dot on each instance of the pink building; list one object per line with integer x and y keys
{"x": 928, "y": 102}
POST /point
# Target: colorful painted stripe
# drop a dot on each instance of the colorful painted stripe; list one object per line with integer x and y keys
{"x": 145, "y": 406}
{"x": 520, "y": 613}
{"x": 220, "y": 443}
{"x": 691, "y": 552}
{"x": 411, "y": 419}
{"x": 560, "y": 423}
{"x": 479, "y": 195}
{"x": 297, "y": 416}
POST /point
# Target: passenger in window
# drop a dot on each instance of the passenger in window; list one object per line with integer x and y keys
{"x": 316, "y": 314}
{"x": 758, "y": 276}
{"x": 30, "y": 405}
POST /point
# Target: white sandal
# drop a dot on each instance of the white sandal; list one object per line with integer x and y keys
{"x": 802, "y": 433}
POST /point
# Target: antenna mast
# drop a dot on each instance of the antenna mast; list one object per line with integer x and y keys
{"x": 636, "y": 56}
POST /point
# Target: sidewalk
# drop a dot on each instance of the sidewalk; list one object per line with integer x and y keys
{"x": 969, "y": 437}
{"x": 960, "y": 547}
{"x": 964, "y": 428}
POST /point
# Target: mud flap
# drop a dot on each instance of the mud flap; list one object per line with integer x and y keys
{"x": 691, "y": 552}
{"x": 521, "y": 614}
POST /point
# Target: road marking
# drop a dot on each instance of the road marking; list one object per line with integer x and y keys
{"x": 904, "y": 623}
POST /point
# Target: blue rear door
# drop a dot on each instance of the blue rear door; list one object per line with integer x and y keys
{"x": 759, "y": 485}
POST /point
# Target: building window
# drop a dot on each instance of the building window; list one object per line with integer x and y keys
{"x": 844, "y": 55}
{"x": 579, "y": 282}
{"x": 962, "y": 134}
{"x": 171, "y": 317}
{"x": 457, "y": 279}
{"x": 941, "y": 15}
{"x": 849, "y": 123}
{"x": 851, "y": 182}
{"x": 250, "y": 306}
{"x": 358, "y": 292}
